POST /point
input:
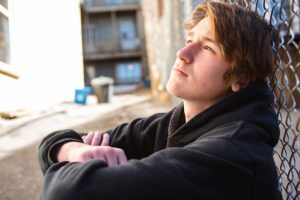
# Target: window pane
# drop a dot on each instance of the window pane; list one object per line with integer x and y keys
{"x": 4, "y": 3}
{"x": 4, "y": 40}
{"x": 129, "y": 73}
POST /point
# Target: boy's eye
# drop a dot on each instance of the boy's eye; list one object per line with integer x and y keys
{"x": 209, "y": 49}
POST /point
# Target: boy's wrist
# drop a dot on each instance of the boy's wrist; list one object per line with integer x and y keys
{"x": 65, "y": 149}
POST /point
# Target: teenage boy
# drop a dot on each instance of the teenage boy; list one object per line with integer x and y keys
{"x": 217, "y": 144}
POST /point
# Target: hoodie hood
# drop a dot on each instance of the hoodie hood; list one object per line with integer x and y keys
{"x": 252, "y": 104}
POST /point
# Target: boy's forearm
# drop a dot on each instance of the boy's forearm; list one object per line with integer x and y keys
{"x": 63, "y": 152}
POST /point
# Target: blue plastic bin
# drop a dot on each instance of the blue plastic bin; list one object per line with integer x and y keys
{"x": 81, "y": 95}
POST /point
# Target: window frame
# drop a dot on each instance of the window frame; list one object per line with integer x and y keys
{"x": 5, "y": 68}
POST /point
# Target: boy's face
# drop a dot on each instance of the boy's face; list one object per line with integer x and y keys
{"x": 197, "y": 74}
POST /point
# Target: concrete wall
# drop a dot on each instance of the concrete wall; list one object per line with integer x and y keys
{"x": 46, "y": 52}
{"x": 164, "y": 35}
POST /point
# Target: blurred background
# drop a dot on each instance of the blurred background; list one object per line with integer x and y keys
{"x": 50, "y": 48}
{"x": 92, "y": 64}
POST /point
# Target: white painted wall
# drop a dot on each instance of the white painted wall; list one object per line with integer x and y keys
{"x": 46, "y": 51}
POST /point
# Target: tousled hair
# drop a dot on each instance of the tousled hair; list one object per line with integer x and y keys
{"x": 244, "y": 37}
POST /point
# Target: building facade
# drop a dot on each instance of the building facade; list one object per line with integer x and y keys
{"x": 113, "y": 41}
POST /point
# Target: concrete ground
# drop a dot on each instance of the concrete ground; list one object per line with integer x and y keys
{"x": 20, "y": 176}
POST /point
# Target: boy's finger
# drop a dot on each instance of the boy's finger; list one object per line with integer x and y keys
{"x": 122, "y": 159}
{"x": 89, "y": 137}
{"x": 105, "y": 140}
{"x": 96, "y": 139}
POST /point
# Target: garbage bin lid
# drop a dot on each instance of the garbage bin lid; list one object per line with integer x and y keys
{"x": 102, "y": 80}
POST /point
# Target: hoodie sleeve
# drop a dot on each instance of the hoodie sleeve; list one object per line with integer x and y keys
{"x": 137, "y": 139}
{"x": 173, "y": 173}
{"x": 49, "y": 145}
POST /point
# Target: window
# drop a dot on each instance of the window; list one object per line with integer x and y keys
{"x": 129, "y": 73}
{"x": 4, "y": 3}
{"x": 5, "y": 69}
{"x": 4, "y": 32}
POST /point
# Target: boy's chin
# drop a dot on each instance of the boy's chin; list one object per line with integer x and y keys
{"x": 172, "y": 90}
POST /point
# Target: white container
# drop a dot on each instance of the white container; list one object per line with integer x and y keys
{"x": 103, "y": 88}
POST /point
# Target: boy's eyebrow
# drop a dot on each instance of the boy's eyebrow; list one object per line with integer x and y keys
{"x": 209, "y": 40}
{"x": 205, "y": 38}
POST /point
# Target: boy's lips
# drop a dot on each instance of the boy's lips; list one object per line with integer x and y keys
{"x": 180, "y": 72}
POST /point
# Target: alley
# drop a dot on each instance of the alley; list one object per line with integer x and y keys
{"x": 20, "y": 176}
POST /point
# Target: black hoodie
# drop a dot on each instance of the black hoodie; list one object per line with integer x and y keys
{"x": 224, "y": 152}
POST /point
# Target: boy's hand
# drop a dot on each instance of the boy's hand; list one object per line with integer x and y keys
{"x": 79, "y": 152}
{"x": 96, "y": 138}
{"x": 95, "y": 146}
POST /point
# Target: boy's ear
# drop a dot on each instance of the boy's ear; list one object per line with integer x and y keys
{"x": 235, "y": 87}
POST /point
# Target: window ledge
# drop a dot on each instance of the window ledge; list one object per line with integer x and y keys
{"x": 7, "y": 71}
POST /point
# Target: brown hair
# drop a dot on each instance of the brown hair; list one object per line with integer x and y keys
{"x": 244, "y": 37}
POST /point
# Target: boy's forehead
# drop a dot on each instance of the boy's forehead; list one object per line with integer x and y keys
{"x": 202, "y": 29}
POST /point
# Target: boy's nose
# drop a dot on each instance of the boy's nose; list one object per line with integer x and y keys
{"x": 185, "y": 55}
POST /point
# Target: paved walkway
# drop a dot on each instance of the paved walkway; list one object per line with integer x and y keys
{"x": 20, "y": 176}
{"x": 19, "y": 133}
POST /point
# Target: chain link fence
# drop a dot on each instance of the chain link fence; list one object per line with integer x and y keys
{"x": 284, "y": 15}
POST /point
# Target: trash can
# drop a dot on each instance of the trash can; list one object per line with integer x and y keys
{"x": 103, "y": 88}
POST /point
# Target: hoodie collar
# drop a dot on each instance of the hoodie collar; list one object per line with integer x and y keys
{"x": 252, "y": 103}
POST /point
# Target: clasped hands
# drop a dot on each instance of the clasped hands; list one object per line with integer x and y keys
{"x": 95, "y": 146}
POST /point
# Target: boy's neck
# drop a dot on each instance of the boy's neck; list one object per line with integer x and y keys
{"x": 193, "y": 108}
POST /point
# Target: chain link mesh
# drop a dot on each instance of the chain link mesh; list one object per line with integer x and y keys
{"x": 284, "y": 16}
